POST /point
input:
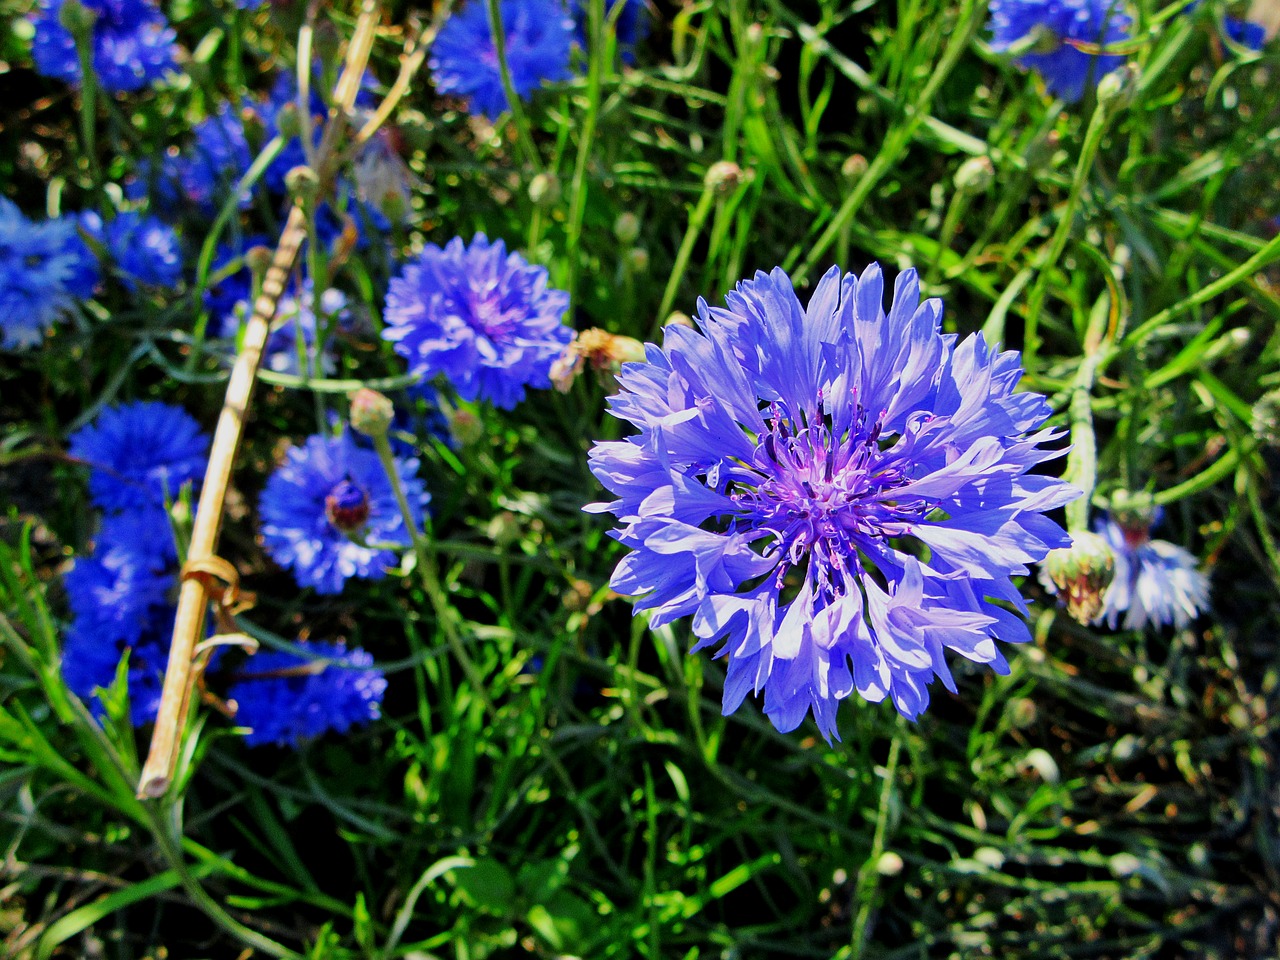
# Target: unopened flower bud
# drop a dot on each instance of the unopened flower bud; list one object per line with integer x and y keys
{"x": 636, "y": 260}
{"x": 975, "y": 175}
{"x": 854, "y": 166}
{"x": 1116, "y": 88}
{"x": 724, "y": 176}
{"x": 544, "y": 190}
{"x": 679, "y": 319}
{"x": 1266, "y": 418}
{"x": 466, "y": 427}
{"x": 1081, "y": 573}
{"x": 578, "y": 596}
{"x": 627, "y": 228}
{"x": 890, "y": 864}
{"x": 287, "y": 123}
{"x": 258, "y": 260}
{"x": 371, "y": 412}
{"x": 503, "y": 528}
{"x": 302, "y": 182}
{"x": 77, "y": 18}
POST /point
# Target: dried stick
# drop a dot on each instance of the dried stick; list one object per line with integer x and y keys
{"x": 193, "y": 600}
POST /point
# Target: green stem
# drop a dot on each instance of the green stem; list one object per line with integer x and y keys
{"x": 868, "y": 876}
{"x": 89, "y": 107}
{"x": 696, "y": 221}
{"x": 1092, "y": 141}
{"x": 426, "y": 565}
{"x": 578, "y": 194}
{"x": 524, "y": 133}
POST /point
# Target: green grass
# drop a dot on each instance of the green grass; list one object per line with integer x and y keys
{"x": 1115, "y": 796}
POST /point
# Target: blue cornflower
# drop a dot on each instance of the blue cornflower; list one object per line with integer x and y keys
{"x": 215, "y": 161}
{"x": 145, "y": 250}
{"x": 538, "y": 37}
{"x": 833, "y": 494}
{"x": 483, "y": 317}
{"x": 233, "y": 289}
{"x": 133, "y": 44}
{"x": 1246, "y": 33}
{"x": 140, "y": 454}
{"x": 1057, "y": 26}
{"x": 1155, "y": 582}
{"x": 328, "y": 512}
{"x": 120, "y": 600}
{"x": 287, "y": 698}
{"x": 45, "y": 269}
{"x": 630, "y": 27}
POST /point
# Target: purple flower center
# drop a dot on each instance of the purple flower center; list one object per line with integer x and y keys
{"x": 820, "y": 495}
{"x": 491, "y": 318}
{"x": 347, "y": 506}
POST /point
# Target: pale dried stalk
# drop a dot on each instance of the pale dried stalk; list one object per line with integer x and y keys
{"x": 193, "y": 600}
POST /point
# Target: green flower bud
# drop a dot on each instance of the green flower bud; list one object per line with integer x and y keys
{"x": 302, "y": 182}
{"x": 371, "y": 412}
{"x": 77, "y": 18}
{"x": 1081, "y": 573}
{"x": 627, "y": 228}
{"x": 975, "y": 175}
{"x": 724, "y": 176}
{"x": 544, "y": 190}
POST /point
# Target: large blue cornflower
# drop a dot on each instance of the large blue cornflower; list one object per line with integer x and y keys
{"x": 288, "y": 698}
{"x": 145, "y": 250}
{"x": 139, "y": 454}
{"x": 484, "y": 318}
{"x": 133, "y": 44}
{"x": 538, "y": 37}
{"x": 1156, "y": 583}
{"x": 1057, "y": 26}
{"x": 328, "y": 512}
{"x": 45, "y": 269}
{"x": 833, "y": 494}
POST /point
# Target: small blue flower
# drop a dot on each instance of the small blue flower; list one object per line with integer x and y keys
{"x": 484, "y": 318}
{"x": 216, "y": 160}
{"x": 232, "y": 290}
{"x": 1246, "y": 33}
{"x": 145, "y": 250}
{"x": 538, "y": 38}
{"x": 298, "y": 528}
{"x": 140, "y": 454}
{"x": 120, "y": 601}
{"x": 631, "y": 26}
{"x": 1059, "y": 25}
{"x": 289, "y": 698}
{"x": 835, "y": 495}
{"x": 133, "y": 44}
{"x": 1156, "y": 583}
{"x": 45, "y": 269}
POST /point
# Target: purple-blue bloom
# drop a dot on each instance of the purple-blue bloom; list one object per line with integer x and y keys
{"x": 1156, "y": 582}
{"x": 1246, "y": 33}
{"x": 121, "y": 599}
{"x": 484, "y": 318}
{"x": 308, "y": 504}
{"x": 45, "y": 269}
{"x": 232, "y": 289}
{"x": 1058, "y": 26}
{"x": 145, "y": 250}
{"x": 288, "y": 698}
{"x": 538, "y": 35}
{"x": 132, "y": 42}
{"x": 215, "y": 161}
{"x": 835, "y": 495}
{"x": 140, "y": 454}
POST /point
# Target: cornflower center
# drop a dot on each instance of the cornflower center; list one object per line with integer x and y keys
{"x": 821, "y": 495}
{"x": 347, "y": 506}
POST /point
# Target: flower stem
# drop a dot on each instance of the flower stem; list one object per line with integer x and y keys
{"x": 868, "y": 876}
{"x": 524, "y": 133}
{"x": 446, "y": 615}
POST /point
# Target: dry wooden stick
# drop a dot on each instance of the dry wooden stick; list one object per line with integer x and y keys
{"x": 193, "y": 600}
